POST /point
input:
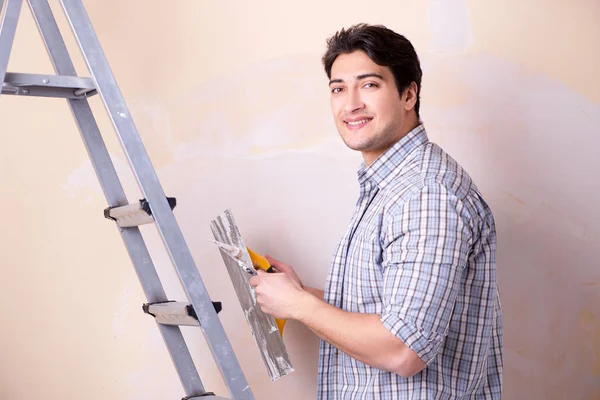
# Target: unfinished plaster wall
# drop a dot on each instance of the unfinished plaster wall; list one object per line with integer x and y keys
{"x": 232, "y": 105}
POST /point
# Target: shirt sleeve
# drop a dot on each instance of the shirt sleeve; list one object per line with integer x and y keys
{"x": 426, "y": 243}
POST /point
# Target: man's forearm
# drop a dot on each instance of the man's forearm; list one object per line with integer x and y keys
{"x": 361, "y": 336}
{"x": 319, "y": 294}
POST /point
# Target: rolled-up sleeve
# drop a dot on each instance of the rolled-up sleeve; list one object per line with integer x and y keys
{"x": 426, "y": 242}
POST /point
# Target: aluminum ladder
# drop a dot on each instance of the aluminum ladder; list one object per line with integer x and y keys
{"x": 155, "y": 208}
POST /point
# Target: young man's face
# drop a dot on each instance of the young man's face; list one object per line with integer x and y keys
{"x": 368, "y": 111}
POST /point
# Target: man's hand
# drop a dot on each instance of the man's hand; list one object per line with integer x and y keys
{"x": 289, "y": 271}
{"x": 286, "y": 269}
{"x": 279, "y": 294}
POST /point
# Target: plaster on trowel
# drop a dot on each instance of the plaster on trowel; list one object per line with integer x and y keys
{"x": 258, "y": 261}
{"x": 236, "y": 254}
{"x": 264, "y": 328}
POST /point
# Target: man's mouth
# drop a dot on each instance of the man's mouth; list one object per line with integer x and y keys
{"x": 357, "y": 124}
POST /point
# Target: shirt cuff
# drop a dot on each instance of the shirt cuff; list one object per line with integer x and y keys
{"x": 426, "y": 345}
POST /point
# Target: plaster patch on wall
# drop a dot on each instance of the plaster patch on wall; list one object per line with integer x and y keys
{"x": 245, "y": 150}
{"x": 83, "y": 182}
{"x": 450, "y": 26}
{"x": 153, "y": 122}
{"x": 80, "y": 181}
{"x": 276, "y": 105}
{"x": 522, "y": 141}
{"x": 123, "y": 312}
{"x": 525, "y": 122}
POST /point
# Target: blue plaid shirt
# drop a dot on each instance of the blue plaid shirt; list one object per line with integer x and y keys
{"x": 420, "y": 252}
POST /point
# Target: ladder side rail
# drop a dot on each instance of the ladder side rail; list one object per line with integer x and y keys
{"x": 115, "y": 195}
{"x": 8, "y": 28}
{"x": 149, "y": 183}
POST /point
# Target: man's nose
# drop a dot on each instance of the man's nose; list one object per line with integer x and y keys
{"x": 353, "y": 102}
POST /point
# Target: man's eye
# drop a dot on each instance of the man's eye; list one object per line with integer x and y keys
{"x": 336, "y": 90}
{"x": 370, "y": 85}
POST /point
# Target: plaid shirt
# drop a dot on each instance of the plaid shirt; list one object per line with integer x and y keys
{"x": 421, "y": 253}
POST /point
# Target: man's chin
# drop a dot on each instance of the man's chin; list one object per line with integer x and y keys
{"x": 354, "y": 140}
{"x": 357, "y": 146}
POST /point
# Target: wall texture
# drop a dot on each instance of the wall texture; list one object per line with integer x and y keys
{"x": 232, "y": 105}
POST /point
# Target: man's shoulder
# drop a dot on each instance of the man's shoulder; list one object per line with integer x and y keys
{"x": 431, "y": 167}
{"x": 440, "y": 168}
{"x": 434, "y": 183}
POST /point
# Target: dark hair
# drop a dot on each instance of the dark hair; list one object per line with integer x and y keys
{"x": 384, "y": 46}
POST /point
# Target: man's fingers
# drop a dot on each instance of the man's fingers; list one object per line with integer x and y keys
{"x": 255, "y": 280}
{"x": 281, "y": 267}
{"x": 272, "y": 260}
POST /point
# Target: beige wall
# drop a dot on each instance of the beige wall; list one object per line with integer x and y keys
{"x": 232, "y": 105}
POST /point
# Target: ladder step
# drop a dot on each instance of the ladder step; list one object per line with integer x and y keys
{"x": 208, "y": 396}
{"x": 135, "y": 214}
{"x": 61, "y": 86}
{"x": 175, "y": 312}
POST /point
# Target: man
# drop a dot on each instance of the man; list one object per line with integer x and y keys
{"x": 411, "y": 308}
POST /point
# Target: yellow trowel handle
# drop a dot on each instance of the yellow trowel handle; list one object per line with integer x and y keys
{"x": 261, "y": 262}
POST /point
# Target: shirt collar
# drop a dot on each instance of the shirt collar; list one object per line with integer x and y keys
{"x": 389, "y": 164}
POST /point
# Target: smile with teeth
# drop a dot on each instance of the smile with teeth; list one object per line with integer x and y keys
{"x": 359, "y": 122}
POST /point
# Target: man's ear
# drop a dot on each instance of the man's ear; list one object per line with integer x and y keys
{"x": 410, "y": 96}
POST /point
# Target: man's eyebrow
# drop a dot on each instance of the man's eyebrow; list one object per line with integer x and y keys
{"x": 369, "y": 75}
{"x": 359, "y": 77}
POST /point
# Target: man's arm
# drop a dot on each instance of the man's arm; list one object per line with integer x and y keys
{"x": 319, "y": 294}
{"x": 361, "y": 336}
{"x": 426, "y": 243}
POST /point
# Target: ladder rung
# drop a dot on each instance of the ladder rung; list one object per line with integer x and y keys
{"x": 208, "y": 396}
{"x": 70, "y": 87}
{"x": 175, "y": 312}
{"x": 135, "y": 214}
